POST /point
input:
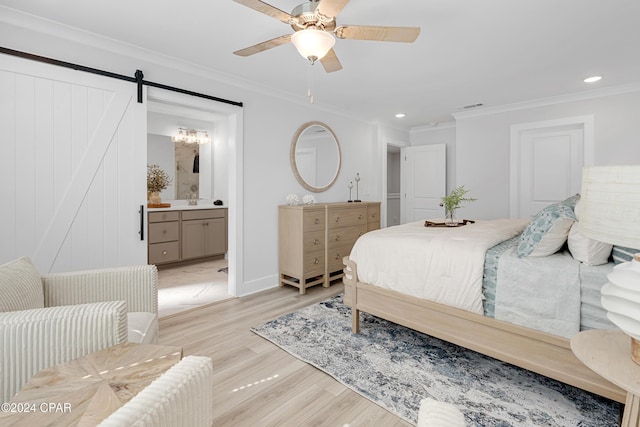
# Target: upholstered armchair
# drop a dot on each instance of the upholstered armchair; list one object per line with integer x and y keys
{"x": 50, "y": 319}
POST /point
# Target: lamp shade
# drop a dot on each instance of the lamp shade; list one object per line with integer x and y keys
{"x": 610, "y": 213}
{"x": 312, "y": 44}
{"x": 610, "y": 205}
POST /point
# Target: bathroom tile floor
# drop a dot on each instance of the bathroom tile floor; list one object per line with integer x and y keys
{"x": 187, "y": 287}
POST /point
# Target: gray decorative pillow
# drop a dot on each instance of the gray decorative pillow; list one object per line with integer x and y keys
{"x": 548, "y": 230}
{"x": 621, "y": 254}
{"x": 20, "y": 286}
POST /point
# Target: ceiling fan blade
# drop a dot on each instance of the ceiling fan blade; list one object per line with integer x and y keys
{"x": 386, "y": 34}
{"x": 261, "y": 47}
{"x": 267, "y": 9}
{"x": 330, "y": 62}
{"x": 331, "y": 8}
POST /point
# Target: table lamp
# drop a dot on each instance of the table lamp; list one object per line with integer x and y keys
{"x": 610, "y": 212}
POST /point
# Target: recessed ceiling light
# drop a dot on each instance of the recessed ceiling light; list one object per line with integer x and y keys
{"x": 592, "y": 79}
{"x": 400, "y": 115}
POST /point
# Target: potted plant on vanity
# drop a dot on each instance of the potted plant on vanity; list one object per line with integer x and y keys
{"x": 453, "y": 202}
{"x": 157, "y": 180}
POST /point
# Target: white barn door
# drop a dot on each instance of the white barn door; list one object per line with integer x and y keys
{"x": 72, "y": 168}
{"x": 424, "y": 181}
{"x": 547, "y": 159}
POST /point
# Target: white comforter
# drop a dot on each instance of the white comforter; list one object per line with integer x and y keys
{"x": 444, "y": 265}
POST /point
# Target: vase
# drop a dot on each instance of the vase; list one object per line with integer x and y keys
{"x": 450, "y": 219}
{"x": 154, "y": 198}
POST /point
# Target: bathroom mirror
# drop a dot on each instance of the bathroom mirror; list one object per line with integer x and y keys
{"x": 315, "y": 156}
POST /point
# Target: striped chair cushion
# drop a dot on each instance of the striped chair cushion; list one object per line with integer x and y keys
{"x": 20, "y": 286}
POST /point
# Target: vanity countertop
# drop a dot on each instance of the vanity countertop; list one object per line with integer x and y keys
{"x": 185, "y": 207}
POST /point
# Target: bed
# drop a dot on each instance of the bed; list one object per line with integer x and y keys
{"x": 386, "y": 276}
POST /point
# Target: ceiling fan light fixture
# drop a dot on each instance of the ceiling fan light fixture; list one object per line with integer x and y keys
{"x": 313, "y": 44}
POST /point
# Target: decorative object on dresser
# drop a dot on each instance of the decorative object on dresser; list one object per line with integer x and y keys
{"x": 315, "y": 156}
{"x": 357, "y": 180}
{"x": 313, "y": 239}
{"x": 182, "y": 235}
{"x": 157, "y": 180}
{"x": 610, "y": 213}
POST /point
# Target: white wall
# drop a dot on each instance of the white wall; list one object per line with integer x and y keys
{"x": 482, "y": 144}
{"x": 270, "y": 122}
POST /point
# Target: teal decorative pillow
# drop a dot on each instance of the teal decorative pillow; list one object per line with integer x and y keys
{"x": 549, "y": 229}
{"x": 20, "y": 286}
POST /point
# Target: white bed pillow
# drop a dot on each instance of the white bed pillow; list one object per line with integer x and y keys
{"x": 586, "y": 250}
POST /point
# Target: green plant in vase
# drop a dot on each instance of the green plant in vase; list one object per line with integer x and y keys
{"x": 453, "y": 202}
{"x": 157, "y": 180}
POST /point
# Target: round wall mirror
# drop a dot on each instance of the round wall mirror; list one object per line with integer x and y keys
{"x": 315, "y": 156}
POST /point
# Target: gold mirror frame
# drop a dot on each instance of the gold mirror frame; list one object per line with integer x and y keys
{"x": 294, "y": 166}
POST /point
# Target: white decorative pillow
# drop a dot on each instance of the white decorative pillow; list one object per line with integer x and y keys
{"x": 20, "y": 286}
{"x": 548, "y": 230}
{"x": 586, "y": 250}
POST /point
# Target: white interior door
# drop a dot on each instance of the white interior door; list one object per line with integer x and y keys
{"x": 424, "y": 181}
{"x": 547, "y": 166}
{"x": 72, "y": 170}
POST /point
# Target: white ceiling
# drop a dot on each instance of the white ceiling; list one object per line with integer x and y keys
{"x": 493, "y": 52}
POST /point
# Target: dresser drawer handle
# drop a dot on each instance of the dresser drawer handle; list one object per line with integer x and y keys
{"x": 164, "y": 252}
{"x": 337, "y": 238}
{"x": 316, "y": 221}
{"x": 360, "y": 216}
{"x": 316, "y": 261}
{"x": 316, "y": 241}
{"x": 373, "y": 215}
{"x": 338, "y": 256}
{"x": 337, "y": 219}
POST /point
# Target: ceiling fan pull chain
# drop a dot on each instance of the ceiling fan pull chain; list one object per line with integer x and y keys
{"x": 310, "y": 84}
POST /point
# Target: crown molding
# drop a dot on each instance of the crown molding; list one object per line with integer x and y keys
{"x": 434, "y": 127}
{"x": 131, "y": 51}
{"x": 543, "y": 102}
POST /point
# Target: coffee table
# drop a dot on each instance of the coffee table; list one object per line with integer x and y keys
{"x": 87, "y": 390}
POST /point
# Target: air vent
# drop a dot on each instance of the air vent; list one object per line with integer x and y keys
{"x": 470, "y": 106}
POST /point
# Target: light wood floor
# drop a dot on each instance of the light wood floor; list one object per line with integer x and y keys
{"x": 257, "y": 383}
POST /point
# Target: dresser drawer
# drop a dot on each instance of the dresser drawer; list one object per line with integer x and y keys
{"x": 163, "y": 252}
{"x": 335, "y": 255}
{"x": 313, "y": 220}
{"x": 313, "y": 240}
{"x": 163, "y": 216}
{"x": 163, "y": 232}
{"x": 373, "y": 214}
{"x": 346, "y": 217}
{"x": 204, "y": 214}
{"x": 345, "y": 235}
{"x": 313, "y": 262}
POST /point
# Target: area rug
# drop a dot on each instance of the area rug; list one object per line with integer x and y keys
{"x": 397, "y": 367}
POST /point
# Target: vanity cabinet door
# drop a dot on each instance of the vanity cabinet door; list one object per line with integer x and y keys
{"x": 204, "y": 237}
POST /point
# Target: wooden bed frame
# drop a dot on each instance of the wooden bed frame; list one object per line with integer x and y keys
{"x": 545, "y": 354}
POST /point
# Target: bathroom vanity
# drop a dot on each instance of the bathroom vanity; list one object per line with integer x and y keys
{"x": 184, "y": 233}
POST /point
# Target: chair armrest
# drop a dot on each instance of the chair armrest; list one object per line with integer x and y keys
{"x": 181, "y": 396}
{"x": 137, "y": 285}
{"x": 37, "y": 339}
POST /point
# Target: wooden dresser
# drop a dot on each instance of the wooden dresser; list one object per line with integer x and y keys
{"x": 313, "y": 239}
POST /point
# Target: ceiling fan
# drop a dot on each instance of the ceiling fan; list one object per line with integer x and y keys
{"x": 314, "y": 25}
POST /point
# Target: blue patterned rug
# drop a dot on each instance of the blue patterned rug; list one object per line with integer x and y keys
{"x": 397, "y": 367}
